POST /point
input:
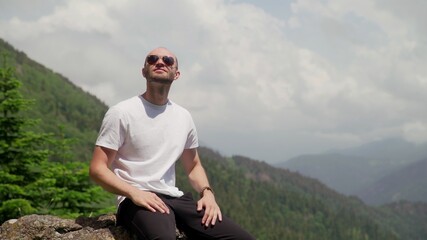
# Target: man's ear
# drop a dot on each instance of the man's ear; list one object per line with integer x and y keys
{"x": 144, "y": 71}
{"x": 177, "y": 74}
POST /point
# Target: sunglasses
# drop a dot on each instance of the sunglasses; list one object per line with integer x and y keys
{"x": 152, "y": 59}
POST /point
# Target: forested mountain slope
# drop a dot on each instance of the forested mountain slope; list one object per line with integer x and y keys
{"x": 279, "y": 204}
{"x": 61, "y": 106}
{"x": 271, "y": 203}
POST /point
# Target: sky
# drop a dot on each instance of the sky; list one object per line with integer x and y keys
{"x": 269, "y": 80}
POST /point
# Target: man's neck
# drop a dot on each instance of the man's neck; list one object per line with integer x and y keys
{"x": 157, "y": 96}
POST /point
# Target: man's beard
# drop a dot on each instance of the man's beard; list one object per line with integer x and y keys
{"x": 160, "y": 80}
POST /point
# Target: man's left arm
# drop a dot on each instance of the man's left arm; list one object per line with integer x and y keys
{"x": 199, "y": 181}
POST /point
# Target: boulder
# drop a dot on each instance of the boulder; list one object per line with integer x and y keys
{"x": 34, "y": 226}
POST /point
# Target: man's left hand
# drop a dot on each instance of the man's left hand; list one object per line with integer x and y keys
{"x": 212, "y": 210}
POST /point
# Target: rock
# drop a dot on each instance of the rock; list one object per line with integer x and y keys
{"x": 51, "y": 227}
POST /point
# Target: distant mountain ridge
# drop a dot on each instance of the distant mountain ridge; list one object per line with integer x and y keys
{"x": 407, "y": 183}
{"x": 344, "y": 173}
{"x": 394, "y": 151}
{"x": 356, "y": 171}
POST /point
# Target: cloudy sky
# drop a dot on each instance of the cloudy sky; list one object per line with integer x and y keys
{"x": 265, "y": 79}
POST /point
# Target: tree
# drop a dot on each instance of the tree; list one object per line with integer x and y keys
{"x": 21, "y": 152}
{"x": 29, "y": 182}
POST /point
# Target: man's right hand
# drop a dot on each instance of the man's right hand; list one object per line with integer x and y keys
{"x": 149, "y": 200}
{"x": 101, "y": 174}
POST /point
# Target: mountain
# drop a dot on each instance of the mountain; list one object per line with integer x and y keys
{"x": 393, "y": 151}
{"x": 296, "y": 207}
{"x": 336, "y": 170}
{"x": 62, "y": 107}
{"x": 281, "y": 204}
{"x": 407, "y": 183}
{"x": 351, "y": 170}
{"x": 272, "y": 203}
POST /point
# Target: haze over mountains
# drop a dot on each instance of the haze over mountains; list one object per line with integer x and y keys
{"x": 379, "y": 172}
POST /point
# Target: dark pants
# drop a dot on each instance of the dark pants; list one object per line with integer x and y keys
{"x": 183, "y": 214}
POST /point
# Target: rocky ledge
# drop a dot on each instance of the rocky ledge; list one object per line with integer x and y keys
{"x": 50, "y": 227}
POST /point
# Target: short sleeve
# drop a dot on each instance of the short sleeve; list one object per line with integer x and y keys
{"x": 113, "y": 130}
{"x": 192, "y": 139}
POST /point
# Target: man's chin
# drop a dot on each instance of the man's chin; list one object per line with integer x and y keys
{"x": 161, "y": 80}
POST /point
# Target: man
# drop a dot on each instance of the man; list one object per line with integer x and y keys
{"x": 139, "y": 142}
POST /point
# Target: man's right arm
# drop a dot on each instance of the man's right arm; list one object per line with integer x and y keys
{"x": 103, "y": 176}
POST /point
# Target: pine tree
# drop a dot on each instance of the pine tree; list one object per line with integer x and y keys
{"x": 22, "y": 152}
{"x": 29, "y": 181}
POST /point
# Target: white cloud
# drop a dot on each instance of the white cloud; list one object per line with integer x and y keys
{"x": 415, "y": 132}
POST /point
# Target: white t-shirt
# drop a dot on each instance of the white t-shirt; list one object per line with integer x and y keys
{"x": 149, "y": 139}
